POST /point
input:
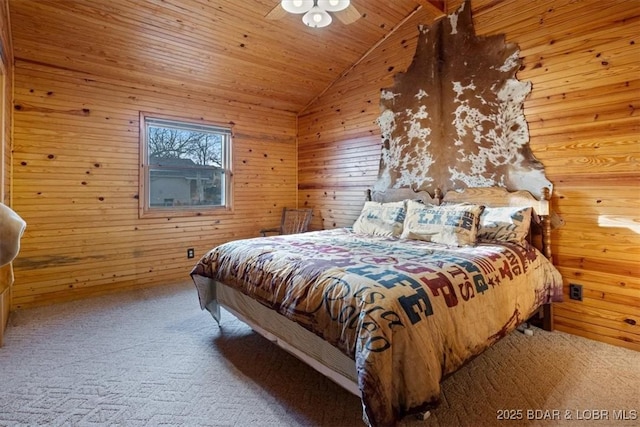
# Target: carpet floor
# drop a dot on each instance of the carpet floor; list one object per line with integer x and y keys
{"x": 152, "y": 358}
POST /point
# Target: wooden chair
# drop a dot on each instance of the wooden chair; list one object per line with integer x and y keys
{"x": 293, "y": 221}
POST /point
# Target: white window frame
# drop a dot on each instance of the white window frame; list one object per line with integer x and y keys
{"x": 145, "y": 209}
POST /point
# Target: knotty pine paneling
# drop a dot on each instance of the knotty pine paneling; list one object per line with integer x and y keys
{"x": 224, "y": 48}
{"x": 6, "y": 93}
{"x": 339, "y": 142}
{"x": 583, "y": 61}
{"x": 6, "y": 72}
{"x": 76, "y": 183}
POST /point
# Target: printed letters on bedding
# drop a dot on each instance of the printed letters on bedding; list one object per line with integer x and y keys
{"x": 505, "y": 224}
{"x": 452, "y": 225}
{"x": 395, "y": 306}
{"x": 381, "y": 219}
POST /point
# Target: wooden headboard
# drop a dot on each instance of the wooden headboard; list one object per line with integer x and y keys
{"x": 399, "y": 194}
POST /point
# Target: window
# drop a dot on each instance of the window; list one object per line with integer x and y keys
{"x": 186, "y": 167}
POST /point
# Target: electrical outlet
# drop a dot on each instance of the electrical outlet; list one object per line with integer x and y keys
{"x": 575, "y": 292}
{"x": 190, "y": 253}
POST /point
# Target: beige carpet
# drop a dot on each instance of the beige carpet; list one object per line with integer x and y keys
{"x": 152, "y": 358}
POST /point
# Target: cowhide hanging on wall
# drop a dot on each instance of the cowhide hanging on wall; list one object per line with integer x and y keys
{"x": 455, "y": 118}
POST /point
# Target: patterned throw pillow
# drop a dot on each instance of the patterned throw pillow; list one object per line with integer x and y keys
{"x": 452, "y": 225}
{"x": 505, "y": 224}
{"x": 381, "y": 219}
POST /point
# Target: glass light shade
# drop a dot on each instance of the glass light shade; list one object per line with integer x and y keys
{"x": 316, "y": 18}
{"x": 297, "y": 6}
{"x": 333, "y": 5}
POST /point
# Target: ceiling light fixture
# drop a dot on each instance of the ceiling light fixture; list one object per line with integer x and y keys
{"x": 315, "y": 11}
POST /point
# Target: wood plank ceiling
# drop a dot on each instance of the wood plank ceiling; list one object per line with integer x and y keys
{"x": 219, "y": 48}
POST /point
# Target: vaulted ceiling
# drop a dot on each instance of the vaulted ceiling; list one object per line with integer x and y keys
{"x": 222, "y": 48}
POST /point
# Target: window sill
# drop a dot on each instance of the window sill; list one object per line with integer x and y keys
{"x": 184, "y": 213}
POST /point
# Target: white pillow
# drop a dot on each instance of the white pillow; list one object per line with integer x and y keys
{"x": 506, "y": 224}
{"x": 381, "y": 219}
{"x": 452, "y": 225}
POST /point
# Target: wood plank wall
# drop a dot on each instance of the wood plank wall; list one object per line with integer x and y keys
{"x": 6, "y": 72}
{"x": 583, "y": 61}
{"x": 76, "y": 183}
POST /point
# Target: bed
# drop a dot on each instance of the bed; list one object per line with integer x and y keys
{"x": 391, "y": 306}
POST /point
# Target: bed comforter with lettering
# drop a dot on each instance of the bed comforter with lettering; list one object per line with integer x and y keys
{"x": 408, "y": 312}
